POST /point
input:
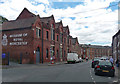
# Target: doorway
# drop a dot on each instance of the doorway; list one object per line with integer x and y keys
{"x": 38, "y": 55}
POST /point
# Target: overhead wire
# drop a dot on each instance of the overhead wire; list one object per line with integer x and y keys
{"x": 96, "y": 15}
{"x": 96, "y": 9}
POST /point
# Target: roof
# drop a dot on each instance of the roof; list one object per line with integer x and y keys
{"x": 65, "y": 29}
{"x": 25, "y": 14}
{"x": 118, "y": 33}
{"x": 74, "y": 40}
{"x": 25, "y": 19}
{"x": 20, "y": 23}
{"x": 57, "y": 24}
{"x": 93, "y": 46}
{"x": 46, "y": 19}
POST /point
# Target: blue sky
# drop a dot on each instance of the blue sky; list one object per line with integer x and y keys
{"x": 92, "y": 21}
{"x": 64, "y": 5}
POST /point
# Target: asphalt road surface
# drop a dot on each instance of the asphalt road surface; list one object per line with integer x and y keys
{"x": 79, "y": 72}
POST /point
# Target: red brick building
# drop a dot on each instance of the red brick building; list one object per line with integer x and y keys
{"x": 22, "y": 38}
{"x": 49, "y": 34}
{"x": 66, "y": 41}
{"x": 34, "y": 39}
{"x": 92, "y": 51}
{"x": 75, "y": 46}
{"x": 59, "y": 27}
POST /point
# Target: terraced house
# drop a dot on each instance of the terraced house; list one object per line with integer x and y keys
{"x": 34, "y": 39}
{"x": 116, "y": 46}
{"x": 92, "y": 51}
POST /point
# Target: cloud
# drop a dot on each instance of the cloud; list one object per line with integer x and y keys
{"x": 12, "y": 8}
{"x": 101, "y": 22}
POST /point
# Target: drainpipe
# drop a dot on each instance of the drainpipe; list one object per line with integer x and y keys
{"x": 42, "y": 45}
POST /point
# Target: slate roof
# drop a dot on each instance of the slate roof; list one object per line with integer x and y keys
{"x": 24, "y": 20}
{"x": 20, "y": 23}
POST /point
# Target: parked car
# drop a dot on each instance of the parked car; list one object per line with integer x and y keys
{"x": 72, "y": 58}
{"x": 104, "y": 58}
{"x": 80, "y": 59}
{"x": 104, "y": 68}
{"x": 94, "y": 62}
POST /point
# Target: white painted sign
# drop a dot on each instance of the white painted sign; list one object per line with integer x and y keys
{"x": 18, "y": 43}
{"x": 18, "y": 35}
{"x": 17, "y": 39}
{"x": 4, "y": 40}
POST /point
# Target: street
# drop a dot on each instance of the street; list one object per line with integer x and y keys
{"x": 79, "y": 72}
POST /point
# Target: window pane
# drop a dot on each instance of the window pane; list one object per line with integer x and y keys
{"x": 57, "y": 37}
{"x": 53, "y": 51}
{"x": 53, "y": 34}
{"x": 39, "y": 32}
{"x": 47, "y": 34}
{"x": 46, "y": 53}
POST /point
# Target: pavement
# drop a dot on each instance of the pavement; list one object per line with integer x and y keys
{"x": 16, "y": 65}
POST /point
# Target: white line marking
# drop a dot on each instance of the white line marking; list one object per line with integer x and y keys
{"x": 109, "y": 77}
{"x": 94, "y": 81}
{"x": 115, "y": 81}
{"x": 91, "y": 76}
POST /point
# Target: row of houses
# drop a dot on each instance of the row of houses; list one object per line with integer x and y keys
{"x": 34, "y": 39}
{"x": 92, "y": 51}
{"x": 116, "y": 46}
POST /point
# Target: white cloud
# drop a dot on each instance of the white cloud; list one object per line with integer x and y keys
{"x": 12, "y": 8}
{"x": 102, "y": 23}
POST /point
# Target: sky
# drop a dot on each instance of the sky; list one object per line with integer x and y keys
{"x": 91, "y": 21}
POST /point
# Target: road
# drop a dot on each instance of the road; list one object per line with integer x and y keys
{"x": 79, "y": 72}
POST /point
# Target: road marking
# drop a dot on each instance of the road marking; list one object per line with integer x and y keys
{"x": 109, "y": 77}
{"x": 94, "y": 82}
{"x": 115, "y": 81}
{"x": 91, "y": 76}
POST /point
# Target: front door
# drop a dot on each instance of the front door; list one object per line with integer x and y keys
{"x": 37, "y": 55}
